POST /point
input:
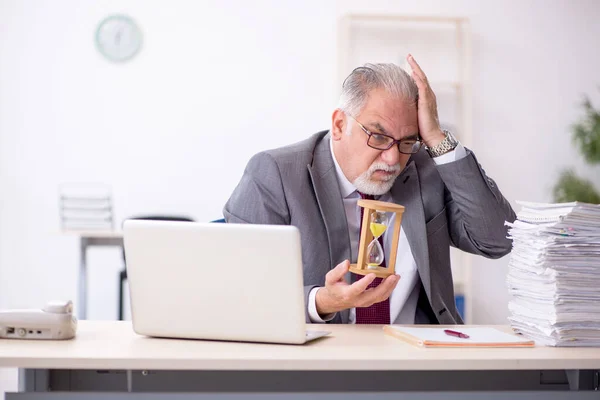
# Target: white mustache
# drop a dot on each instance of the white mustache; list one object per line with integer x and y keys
{"x": 384, "y": 167}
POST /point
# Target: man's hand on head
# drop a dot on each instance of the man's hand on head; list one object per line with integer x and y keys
{"x": 427, "y": 114}
{"x": 338, "y": 295}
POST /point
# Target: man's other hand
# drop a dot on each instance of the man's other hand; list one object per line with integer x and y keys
{"x": 427, "y": 114}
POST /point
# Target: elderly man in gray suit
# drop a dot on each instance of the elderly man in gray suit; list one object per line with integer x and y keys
{"x": 386, "y": 143}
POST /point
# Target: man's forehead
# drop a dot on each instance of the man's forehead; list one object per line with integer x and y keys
{"x": 389, "y": 111}
{"x": 397, "y": 124}
{"x": 377, "y": 125}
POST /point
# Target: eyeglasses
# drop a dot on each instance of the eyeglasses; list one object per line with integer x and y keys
{"x": 379, "y": 141}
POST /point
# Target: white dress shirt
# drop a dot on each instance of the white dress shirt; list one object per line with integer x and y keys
{"x": 404, "y": 297}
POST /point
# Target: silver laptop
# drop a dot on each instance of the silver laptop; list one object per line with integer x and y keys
{"x": 216, "y": 281}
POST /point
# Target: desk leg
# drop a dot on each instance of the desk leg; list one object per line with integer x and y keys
{"x": 34, "y": 380}
{"x": 583, "y": 379}
{"x": 82, "y": 295}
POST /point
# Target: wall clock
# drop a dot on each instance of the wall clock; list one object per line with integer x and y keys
{"x": 118, "y": 38}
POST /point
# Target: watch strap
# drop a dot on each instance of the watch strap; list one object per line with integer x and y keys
{"x": 448, "y": 144}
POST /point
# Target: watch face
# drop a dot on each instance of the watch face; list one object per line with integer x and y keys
{"x": 118, "y": 38}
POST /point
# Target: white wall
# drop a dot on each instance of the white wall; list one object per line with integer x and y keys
{"x": 171, "y": 131}
{"x": 217, "y": 81}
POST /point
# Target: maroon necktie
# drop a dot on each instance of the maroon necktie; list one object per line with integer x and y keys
{"x": 378, "y": 313}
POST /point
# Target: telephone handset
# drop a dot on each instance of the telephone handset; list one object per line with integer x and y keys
{"x": 55, "y": 321}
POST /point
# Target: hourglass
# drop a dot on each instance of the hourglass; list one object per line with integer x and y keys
{"x": 376, "y": 217}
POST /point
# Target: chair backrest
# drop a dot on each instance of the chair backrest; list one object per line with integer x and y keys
{"x": 159, "y": 217}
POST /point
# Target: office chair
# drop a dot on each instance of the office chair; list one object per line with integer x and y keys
{"x": 123, "y": 273}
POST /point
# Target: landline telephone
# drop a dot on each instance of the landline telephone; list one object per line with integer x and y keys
{"x": 55, "y": 322}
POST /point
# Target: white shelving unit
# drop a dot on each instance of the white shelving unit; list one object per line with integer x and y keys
{"x": 442, "y": 48}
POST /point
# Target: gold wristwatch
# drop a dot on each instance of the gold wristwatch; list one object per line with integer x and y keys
{"x": 448, "y": 144}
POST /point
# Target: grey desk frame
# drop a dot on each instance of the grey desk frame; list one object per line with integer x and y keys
{"x": 296, "y": 385}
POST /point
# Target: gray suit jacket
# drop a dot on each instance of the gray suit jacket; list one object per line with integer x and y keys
{"x": 452, "y": 204}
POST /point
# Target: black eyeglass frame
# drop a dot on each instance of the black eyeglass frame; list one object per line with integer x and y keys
{"x": 415, "y": 147}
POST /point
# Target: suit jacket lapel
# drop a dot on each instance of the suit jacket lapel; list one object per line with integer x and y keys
{"x": 329, "y": 197}
{"x": 407, "y": 192}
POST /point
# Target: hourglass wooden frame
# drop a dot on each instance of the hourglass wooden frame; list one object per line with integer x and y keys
{"x": 366, "y": 236}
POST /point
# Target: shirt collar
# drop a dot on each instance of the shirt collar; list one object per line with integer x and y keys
{"x": 346, "y": 187}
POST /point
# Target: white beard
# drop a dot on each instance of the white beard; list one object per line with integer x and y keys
{"x": 366, "y": 185}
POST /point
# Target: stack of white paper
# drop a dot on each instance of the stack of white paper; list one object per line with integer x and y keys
{"x": 554, "y": 273}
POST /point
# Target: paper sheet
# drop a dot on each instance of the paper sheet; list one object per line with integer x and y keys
{"x": 477, "y": 335}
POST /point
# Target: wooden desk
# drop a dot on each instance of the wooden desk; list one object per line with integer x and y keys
{"x": 110, "y": 356}
{"x": 89, "y": 239}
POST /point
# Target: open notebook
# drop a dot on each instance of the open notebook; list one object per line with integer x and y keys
{"x": 427, "y": 336}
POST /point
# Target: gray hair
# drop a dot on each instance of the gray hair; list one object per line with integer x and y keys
{"x": 390, "y": 77}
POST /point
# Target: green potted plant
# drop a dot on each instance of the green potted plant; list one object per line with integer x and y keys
{"x": 586, "y": 136}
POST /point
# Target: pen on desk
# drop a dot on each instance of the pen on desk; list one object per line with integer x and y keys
{"x": 456, "y": 334}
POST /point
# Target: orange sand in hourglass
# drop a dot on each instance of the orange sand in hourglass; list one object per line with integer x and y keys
{"x": 375, "y": 251}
